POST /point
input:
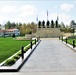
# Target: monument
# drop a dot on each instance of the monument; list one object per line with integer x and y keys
{"x": 48, "y": 29}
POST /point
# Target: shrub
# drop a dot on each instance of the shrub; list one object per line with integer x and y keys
{"x": 16, "y": 57}
{"x": 33, "y": 42}
{"x": 10, "y": 62}
{"x": 19, "y": 54}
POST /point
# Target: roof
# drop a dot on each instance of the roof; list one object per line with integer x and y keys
{"x": 1, "y": 30}
{"x": 11, "y": 30}
{"x": 8, "y": 30}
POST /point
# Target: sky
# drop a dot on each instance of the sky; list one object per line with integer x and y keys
{"x": 26, "y": 11}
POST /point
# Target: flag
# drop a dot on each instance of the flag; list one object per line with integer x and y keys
{"x": 37, "y": 18}
{"x": 47, "y": 12}
{"x": 47, "y": 15}
{"x": 57, "y": 18}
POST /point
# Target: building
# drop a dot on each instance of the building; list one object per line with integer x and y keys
{"x": 1, "y": 32}
{"x": 10, "y": 32}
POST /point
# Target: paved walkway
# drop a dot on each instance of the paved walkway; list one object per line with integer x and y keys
{"x": 51, "y": 56}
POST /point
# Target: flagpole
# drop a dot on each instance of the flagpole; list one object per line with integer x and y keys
{"x": 47, "y": 14}
{"x": 57, "y": 18}
{"x": 37, "y": 22}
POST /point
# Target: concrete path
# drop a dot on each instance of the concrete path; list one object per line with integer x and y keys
{"x": 51, "y": 56}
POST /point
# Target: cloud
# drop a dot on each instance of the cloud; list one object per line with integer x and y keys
{"x": 3, "y": 19}
{"x": 8, "y": 9}
{"x": 63, "y": 17}
{"x": 66, "y": 7}
{"x": 53, "y": 16}
{"x": 27, "y": 10}
{"x": 17, "y": 13}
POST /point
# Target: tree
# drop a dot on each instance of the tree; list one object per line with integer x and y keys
{"x": 8, "y": 25}
{"x": 52, "y": 24}
{"x": 72, "y": 23}
{"x": 13, "y": 25}
{"x": 62, "y": 26}
{"x": 56, "y": 24}
{"x": 20, "y": 24}
{"x": 33, "y": 27}
{"x": 23, "y": 29}
{"x": 48, "y": 24}
{"x": 39, "y": 24}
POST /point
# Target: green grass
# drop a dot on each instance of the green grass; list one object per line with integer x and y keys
{"x": 70, "y": 41}
{"x": 9, "y": 46}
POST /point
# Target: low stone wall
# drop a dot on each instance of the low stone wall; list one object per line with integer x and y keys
{"x": 22, "y": 38}
{"x": 30, "y": 36}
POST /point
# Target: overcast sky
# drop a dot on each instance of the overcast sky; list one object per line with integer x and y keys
{"x": 25, "y": 11}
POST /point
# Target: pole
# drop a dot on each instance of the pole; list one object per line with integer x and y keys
{"x": 47, "y": 14}
{"x": 35, "y": 41}
{"x": 73, "y": 43}
{"x": 31, "y": 44}
{"x": 37, "y": 22}
{"x": 66, "y": 40}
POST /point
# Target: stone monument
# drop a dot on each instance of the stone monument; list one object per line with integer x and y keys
{"x": 48, "y": 29}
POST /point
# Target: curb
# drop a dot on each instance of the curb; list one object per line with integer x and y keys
{"x": 68, "y": 45}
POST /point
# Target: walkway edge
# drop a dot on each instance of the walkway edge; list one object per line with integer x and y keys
{"x": 68, "y": 45}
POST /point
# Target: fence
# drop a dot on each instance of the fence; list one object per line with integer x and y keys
{"x": 31, "y": 44}
{"x": 66, "y": 40}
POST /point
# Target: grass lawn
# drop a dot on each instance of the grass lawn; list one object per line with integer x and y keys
{"x": 8, "y": 47}
{"x": 70, "y": 41}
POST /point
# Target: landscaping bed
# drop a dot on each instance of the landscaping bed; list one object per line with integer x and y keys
{"x": 15, "y": 62}
{"x": 9, "y": 46}
{"x": 70, "y": 41}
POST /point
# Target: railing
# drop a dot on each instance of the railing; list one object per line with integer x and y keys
{"x": 31, "y": 44}
{"x": 66, "y": 40}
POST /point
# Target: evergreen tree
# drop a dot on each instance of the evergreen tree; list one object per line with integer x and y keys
{"x": 48, "y": 24}
{"x": 43, "y": 24}
{"x": 39, "y": 24}
{"x": 52, "y": 24}
{"x": 56, "y": 24}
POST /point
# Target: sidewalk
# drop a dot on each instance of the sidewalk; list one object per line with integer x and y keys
{"x": 51, "y": 57}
